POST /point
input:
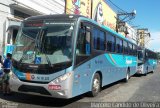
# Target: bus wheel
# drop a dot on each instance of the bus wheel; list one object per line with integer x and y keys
{"x": 96, "y": 85}
{"x": 127, "y": 76}
{"x": 153, "y": 70}
{"x": 145, "y": 74}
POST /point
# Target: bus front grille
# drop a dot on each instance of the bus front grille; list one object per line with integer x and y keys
{"x": 34, "y": 89}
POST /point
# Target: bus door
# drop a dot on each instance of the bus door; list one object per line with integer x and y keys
{"x": 10, "y": 40}
{"x": 83, "y": 56}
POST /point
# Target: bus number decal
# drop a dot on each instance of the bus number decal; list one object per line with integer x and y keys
{"x": 43, "y": 78}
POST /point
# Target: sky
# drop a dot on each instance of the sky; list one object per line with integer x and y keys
{"x": 147, "y": 16}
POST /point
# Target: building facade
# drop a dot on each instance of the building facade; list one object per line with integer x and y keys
{"x": 132, "y": 33}
{"x": 102, "y": 13}
{"x": 97, "y": 10}
{"x": 143, "y": 37}
{"x": 12, "y": 12}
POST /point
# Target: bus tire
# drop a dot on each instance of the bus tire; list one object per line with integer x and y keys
{"x": 96, "y": 85}
{"x": 127, "y": 76}
{"x": 145, "y": 74}
{"x": 153, "y": 70}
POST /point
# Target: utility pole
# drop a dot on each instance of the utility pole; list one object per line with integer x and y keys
{"x": 121, "y": 20}
{"x": 142, "y": 35}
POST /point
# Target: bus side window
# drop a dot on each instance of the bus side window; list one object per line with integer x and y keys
{"x": 119, "y": 45}
{"x": 80, "y": 42}
{"x": 110, "y": 43}
{"x": 130, "y": 48}
{"x": 99, "y": 39}
{"x": 88, "y": 45}
{"x": 125, "y": 47}
{"x": 83, "y": 43}
{"x": 83, "y": 48}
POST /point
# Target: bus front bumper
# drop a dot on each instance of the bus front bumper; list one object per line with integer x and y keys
{"x": 52, "y": 89}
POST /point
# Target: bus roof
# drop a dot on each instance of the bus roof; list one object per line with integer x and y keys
{"x": 110, "y": 31}
{"x": 74, "y": 16}
{"x": 144, "y": 48}
{"x": 55, "y": 16}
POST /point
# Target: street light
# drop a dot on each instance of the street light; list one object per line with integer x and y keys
{"x": 122, "y": 22}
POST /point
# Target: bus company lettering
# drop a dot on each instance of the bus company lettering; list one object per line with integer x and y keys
{"x": 98, "y": 61}
{"x": 128, "y": 61}
{"x": 43, "y": 78}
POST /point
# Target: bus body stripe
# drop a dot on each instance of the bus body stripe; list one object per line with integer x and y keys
{"x": 28, "y": 76}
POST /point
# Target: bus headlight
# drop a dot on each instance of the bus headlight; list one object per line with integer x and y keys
{"x": 13, "y": 76}
{"x": 62, "y": 78}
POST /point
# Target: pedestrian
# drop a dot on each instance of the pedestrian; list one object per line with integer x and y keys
{"x": 6, "y": 76}
{"x": 1, "y": 73}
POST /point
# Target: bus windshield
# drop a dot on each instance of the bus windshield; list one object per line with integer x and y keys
{"x": 140, "y": 55}
{"x": 47, "y": 42}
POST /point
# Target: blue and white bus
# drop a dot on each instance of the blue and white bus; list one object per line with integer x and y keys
{"x": 147, "y": 61}
{"x": 64, "y": 56}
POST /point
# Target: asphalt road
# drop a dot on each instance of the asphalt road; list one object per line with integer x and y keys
{"x": 138, "y": 89}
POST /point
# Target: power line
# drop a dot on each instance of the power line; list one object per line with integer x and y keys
{"x": 4, "y": 4}
{"x": 117, "y": 6}
{"x": 125, "y": 18}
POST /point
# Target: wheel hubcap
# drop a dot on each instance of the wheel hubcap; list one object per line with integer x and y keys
{"x": 127, "y": 77}
{"x": 96, "y": 85}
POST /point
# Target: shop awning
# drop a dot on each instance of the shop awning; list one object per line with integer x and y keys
{"x": 13, "y": 27}
{"x": 25, "y": 9}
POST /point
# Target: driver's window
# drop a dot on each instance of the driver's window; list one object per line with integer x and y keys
{"x": 83, "y": 49}
{"x": 83, "y": 43}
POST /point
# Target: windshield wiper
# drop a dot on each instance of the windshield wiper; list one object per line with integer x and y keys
{"x": 25, "y": 51}
{"x": 39, "y": 45}
{"x": 49, "y": 62}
